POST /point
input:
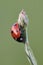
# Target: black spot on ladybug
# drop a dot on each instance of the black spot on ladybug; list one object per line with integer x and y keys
{"x": 11, "y": 31}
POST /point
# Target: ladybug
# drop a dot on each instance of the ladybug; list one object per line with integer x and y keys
{"x": 18, "y": 33}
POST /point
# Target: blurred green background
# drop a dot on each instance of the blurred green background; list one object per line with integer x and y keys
{"x": 12, "y": 52}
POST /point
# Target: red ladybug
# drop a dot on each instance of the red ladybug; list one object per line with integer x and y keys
{"x": 15, "y": 32}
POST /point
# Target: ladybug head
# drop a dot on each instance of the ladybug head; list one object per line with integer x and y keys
{"x": 15, "y": 32}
